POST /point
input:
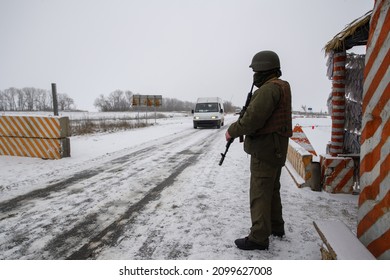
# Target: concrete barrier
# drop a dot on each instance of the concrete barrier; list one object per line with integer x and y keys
{"x": 35, "y": 136}
{"x": 339, "y": 242}
{"x": 300, "y": 159}
{"x": 300, "y": 137}
{"x": 337, "y": 174}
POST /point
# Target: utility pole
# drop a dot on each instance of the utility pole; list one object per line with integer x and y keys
{"x": 55, "y": 103}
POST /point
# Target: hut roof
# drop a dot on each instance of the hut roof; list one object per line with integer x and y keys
{"x": 354, "y": 34}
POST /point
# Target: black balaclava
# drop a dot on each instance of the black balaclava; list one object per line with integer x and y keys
{"x": 259, "y": 78}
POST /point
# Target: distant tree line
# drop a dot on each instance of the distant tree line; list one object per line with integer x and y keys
{"x": 120, "y": 100}
{"x": 33, "y": 99}
{"x": 117, "y": 101}
{"x": 229, "y": 107}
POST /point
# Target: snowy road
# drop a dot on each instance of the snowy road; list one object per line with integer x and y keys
{"x": 94, "y": 204}
{"x": 161, "y": 196}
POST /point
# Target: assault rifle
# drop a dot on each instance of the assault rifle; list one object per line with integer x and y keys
{"x": 248, "y": 100}
{"x": 223, "y": 155}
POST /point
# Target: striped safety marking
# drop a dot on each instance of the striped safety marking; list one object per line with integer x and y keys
{"x": 337, "y": 174}
{"x": 34, "y": 147}
{"x": 374, "y": 199}
{"x": 29, "y": 126}
{"x": 300, "y": 137}
{"x": 301, "y": 161}
{"x": 338, "y": 104}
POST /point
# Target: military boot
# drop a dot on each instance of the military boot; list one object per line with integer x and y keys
{"x": 246, "y": 244}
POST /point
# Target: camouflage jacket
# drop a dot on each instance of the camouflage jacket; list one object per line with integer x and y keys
{"x": 271, "y": 147}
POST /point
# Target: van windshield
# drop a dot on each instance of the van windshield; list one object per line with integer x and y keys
{"x": 206, "y": 107}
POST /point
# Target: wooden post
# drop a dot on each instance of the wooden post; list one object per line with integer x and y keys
{"x": 55, "y": 103}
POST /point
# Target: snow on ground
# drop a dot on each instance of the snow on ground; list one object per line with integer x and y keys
{"x": 198, "y": 215}
{"x": 22, "y": 174}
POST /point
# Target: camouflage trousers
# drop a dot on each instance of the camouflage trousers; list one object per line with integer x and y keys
{"x": 265, "y": 201}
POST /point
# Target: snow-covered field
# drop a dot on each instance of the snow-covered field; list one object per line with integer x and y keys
{"x": 154, "y": 193}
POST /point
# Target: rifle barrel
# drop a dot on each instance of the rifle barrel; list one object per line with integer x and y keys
{"x": 223, "y": 155}
{"x": 248, "y": 99}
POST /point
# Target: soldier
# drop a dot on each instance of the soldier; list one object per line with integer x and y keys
{"x": 267, "y": 126}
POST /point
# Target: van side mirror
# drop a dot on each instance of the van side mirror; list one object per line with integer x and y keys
{"x": 192, "y": 111}
{"x": 221, "y": 111}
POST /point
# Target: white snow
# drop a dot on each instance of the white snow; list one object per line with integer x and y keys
{"x": 197, "y": 213}
{"x": 341, "y": 240}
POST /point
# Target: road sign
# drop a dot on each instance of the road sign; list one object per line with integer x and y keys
{"x": 147, "y": 100}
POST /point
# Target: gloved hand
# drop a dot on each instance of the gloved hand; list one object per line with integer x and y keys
{"x": 227, "y": 135}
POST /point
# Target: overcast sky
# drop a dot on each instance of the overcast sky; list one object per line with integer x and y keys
{"x": 180, "y": 49}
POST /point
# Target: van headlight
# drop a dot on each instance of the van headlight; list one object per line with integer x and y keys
{"x": 213, "y": 117}
{"x": 196, "y": 118}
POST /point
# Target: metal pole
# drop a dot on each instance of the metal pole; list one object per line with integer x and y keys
{"x": 146, "y": 115}
{"x": 155, "y": 113}
{"x": 55, "y": 103}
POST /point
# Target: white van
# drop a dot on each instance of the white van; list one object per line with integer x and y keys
{"x": 209, "y": 112}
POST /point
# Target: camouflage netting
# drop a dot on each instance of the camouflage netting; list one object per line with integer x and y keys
{"x": 353, "y": 106}
{"x": 354, "y": 70}
{"x": 354, "y": 34}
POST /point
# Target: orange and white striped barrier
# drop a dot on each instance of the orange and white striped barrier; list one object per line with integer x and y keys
{"x": 300, "y": 137}
{"x": 301, "y": 160}
{"x": 32, "y": 136}
{"x": 374, "y": 200}
{"x": 35, "y": 147}
{"x": 337, "y": 174}
{"x": 34, "y": 127}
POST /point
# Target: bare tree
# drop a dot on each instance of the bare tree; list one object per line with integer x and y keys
{"x": 118, "y": 100}
{"x": 31, "y": 99}
{"x": 43, "y": 100}
{"x": 102, "y": 104}
{"x": 129, "y": 97}
{"x": 65, "y": 102}
{"x": 2, "y": 101}
{"x": 29, "y": 94}
{"x": 228, "y": 106}
{"x": 10, "y": 100}
{"x": 22, "y": 102}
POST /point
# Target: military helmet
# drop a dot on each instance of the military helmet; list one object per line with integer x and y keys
{"x": 264, "y": 61}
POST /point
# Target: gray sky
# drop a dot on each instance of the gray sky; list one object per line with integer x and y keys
{"x": 180, "y": 49}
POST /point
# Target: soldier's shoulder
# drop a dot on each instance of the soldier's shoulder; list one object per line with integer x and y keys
{"x": 280, "y": 81}
{"x": 269, "y": 87}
